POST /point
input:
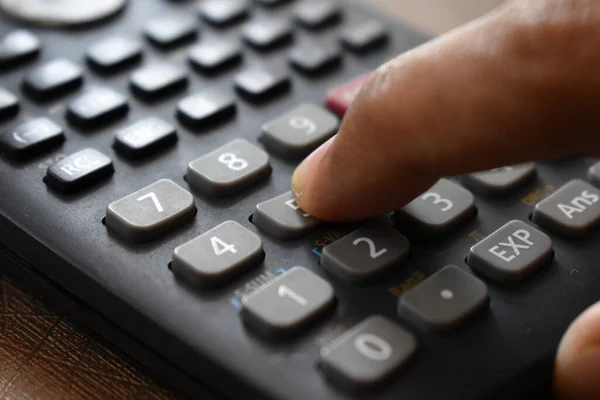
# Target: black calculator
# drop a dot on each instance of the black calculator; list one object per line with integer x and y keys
{"x": 147, "y": 148}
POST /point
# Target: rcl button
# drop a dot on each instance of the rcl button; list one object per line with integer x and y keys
{"x": 78, "y": 171}
{"x": 513, "y": 252}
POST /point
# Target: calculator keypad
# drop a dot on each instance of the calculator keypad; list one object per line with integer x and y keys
{"x": 288, "y": 303}
{"x": 78, "y": 171}
{"x": 229, "y": 169}
{"x": 281, "y": 218}
{"x": 151, "y": 211}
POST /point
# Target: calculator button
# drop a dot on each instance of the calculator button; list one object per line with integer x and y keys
{"x": 202, "y": 109}
{"x": 53, "y": 78}
{"x": 500, "y": 180}
{"x": 364, "y": 36}
{"x": 266, "y": 33}
{"x": 214, "y": 55}
{"x": 260, "y": 84}
{"x": 145, "y": 137}
{"x": 31, "y": 138}
{"x": 18, "y": 46}
{"x": 113, "y": 53}
{"x": 223, "y": 12}
{"x": 229, "y": 169}
{"x": 97, "y": 106}
{"x": 79, "y": 170}
{"x": 312, "y": 58}
{"x": 367, "y": 253}
{"x": 368, "y": 354}
{"x": 573, "y": 210}
{"x": 300, "y": 131}
{"x": 340, "y": 97}
{"x": 444, "y": 300}
{"x": 9, "y": 104}
{"x": 171, "y": 30}
{"x": 151, "y": 211}
{"x": 281, "y": 217}
{"x": 217, "y": 255}
{"x": 158, "y": 80}
{"x": 513, "y": 252}
{"x": 288, "y": 303}
{"x": 594, "y": 174}
{"x": 438, "y": 211}
{"x": 315, "y": 14}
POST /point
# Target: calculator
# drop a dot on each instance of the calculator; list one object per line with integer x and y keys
{"x": 147, "y": 148}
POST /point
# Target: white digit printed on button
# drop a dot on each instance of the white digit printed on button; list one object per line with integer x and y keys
{"x": 437, "y": 199}
{"x": 373, "y": 347}
{"x": 233, "y": 162}
{"x": 373, "y": 252}
{"x": 303, "y": 123}
{"x": 291, "y": 203}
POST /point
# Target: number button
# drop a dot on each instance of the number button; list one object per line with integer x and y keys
{"x": 282, "y": 218}
{"x": 151, "y": 211}
{"x": 366, "y": 253}
{"x": 500, "y": 180}
{"x": 368, "y": 354}
{"x": 287, "y": 303}
{"x": 217, "y": 255}
{"x": 229, "y": 169}
{"x": 438, "y": 211}
{"x": 300, "y": 131}
{"x": 444, "y": 300}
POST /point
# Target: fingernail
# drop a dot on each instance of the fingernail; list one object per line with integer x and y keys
{"x": 306, "y": 172}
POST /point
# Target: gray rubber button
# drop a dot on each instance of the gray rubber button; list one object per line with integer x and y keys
{"x": 500, "y": 180}
{"x": 444, "y": 300}
{"x": 217, "y": 255}
{"x": 299, "y": 131}
{"x": 368, "y": 354}
{"x": 229, "y": 169}
{"x": 513, "y": 252}
{"x": 151, "y": 211}
{"x": 282, "y": 218}
{"x": 594, "y": 174}
{"x": 288, "y": 303}
{"x": 366, "y": 253}
{"x": 438, "y": 211}
{"x": 573, "y": 210}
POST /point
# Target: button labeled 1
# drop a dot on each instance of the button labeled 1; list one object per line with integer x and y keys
{"x": 299, "y": 131}
{"x": 151, "y": 211}
{"x": 367, "y": 354}
{"x": 282, "y": 218}
{"x": 513, "y": 252}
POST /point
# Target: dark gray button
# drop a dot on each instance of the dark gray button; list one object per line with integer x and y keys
{"x": 9, "y": 104}
{"x": 217, "y": 255}
{"x": 52, "y": 79}
{"x": 573, "y": 210}
{"x": 514, "y": 251}
{"x": 31, "y": 138}
{"x": 267, "y": 32}
{"x": 97, "y": 106}
{"x": 145, "y": 137}
{"x": 272, "y": 3}
{"x": 282, "y": 218}
{"x": 79, "y": 170}
{"x": 214, "y": 55}
{"x": 315, "y": 14}
{"x": 366, "y": 253}
{"x": 500, "y": 180}
{"x": 229, "y": 169}
{"x": 171, "y": 30}
{"x": 158, "y": 80}
{"x": 288, "y": 303}
{"x": 18, "y": 46}
{"x": 594, "y": 174}
{"x": 260, "y": 84}
{"x": 223, "y": 12}
{"x": 113, "y": 53}
{"x": 151, "y": 211}
{"x": 364, "y": 36}
{"x": 203, "y": 109}
{"x": 444, "y": 300}
{"x": 438, "y": 211}
{"x": 299, "y": 131}
{"x": 368, "y": 354}
{"x": 312, "y": 58}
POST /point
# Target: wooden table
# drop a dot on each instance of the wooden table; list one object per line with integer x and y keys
{"x": 46, "y": 354}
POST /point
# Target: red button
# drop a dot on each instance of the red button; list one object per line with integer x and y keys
{"x": 340, "y": 98}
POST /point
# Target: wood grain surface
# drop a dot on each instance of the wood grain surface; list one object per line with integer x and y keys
{"x": 46, "y": 354}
